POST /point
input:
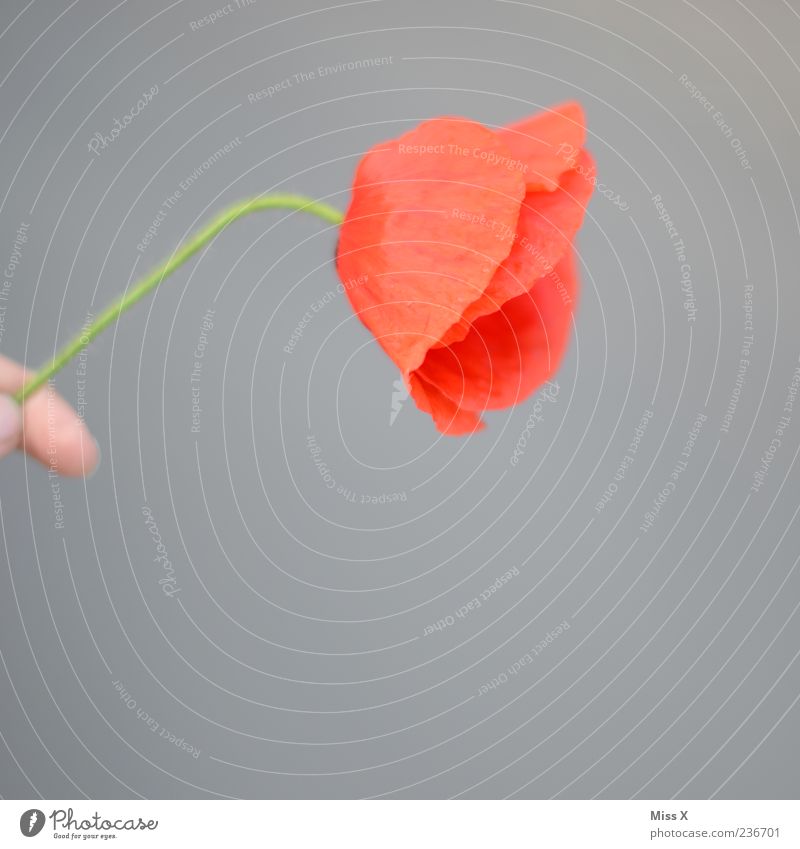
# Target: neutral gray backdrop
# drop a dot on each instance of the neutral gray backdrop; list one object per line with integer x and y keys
{"x": 297, "y": 655}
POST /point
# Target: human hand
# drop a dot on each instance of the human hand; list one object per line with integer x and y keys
{"x": 45, "y": 426}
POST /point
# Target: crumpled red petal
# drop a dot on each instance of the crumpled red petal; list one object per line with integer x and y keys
{"x": 547, "y": 143}
{"x": 547, "y": 224}
{"x": 509, "y": 353}
{"x": 432, "y": 215}
{"x": 448, "y": 417}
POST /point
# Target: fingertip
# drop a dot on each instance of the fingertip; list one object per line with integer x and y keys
{"x": 10, "y": 425}
{"x": 77, "y": 451}
{"x": 57, "y": 436}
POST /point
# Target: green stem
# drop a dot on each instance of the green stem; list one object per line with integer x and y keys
{"x": 185, "y": 252}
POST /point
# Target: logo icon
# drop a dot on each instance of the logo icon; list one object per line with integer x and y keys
{"x": 31, "y": 822}
{"x": 399, "y": 396}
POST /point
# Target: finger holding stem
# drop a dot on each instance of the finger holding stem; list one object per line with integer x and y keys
{"x": 154, "y": 278}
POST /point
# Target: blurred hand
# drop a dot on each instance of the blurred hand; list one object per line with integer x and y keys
{"x": 45, "y": 426}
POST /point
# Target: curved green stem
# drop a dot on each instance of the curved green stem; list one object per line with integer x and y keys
{"x": 142, "y": 287}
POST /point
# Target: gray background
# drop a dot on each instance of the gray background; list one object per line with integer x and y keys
{"x": 295, "y": 655}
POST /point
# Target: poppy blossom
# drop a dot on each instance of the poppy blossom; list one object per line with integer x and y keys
{"x": 457, "y": 254}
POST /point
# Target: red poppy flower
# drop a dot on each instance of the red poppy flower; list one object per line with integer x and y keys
{"x": 456, "y": 253}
